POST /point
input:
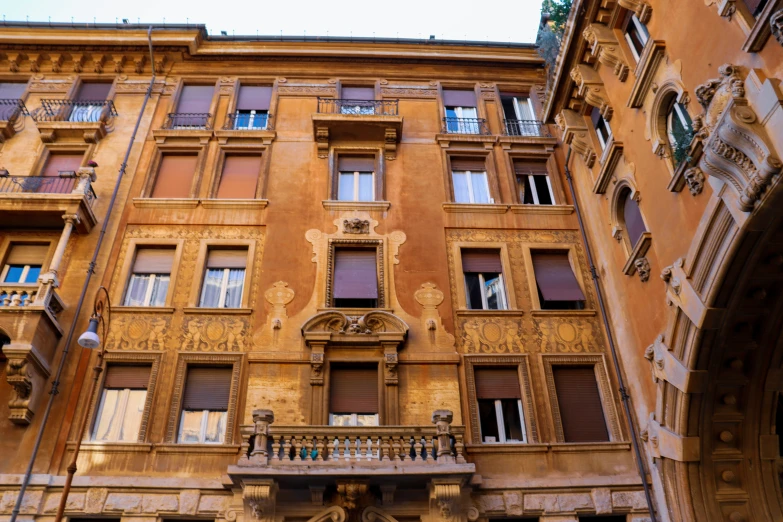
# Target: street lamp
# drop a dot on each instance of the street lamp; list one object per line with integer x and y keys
{"x": 101, "y": 317}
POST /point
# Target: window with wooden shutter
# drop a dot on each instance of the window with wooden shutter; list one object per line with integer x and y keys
{"x": 224, "y": 278}
{"x": 459, "y": 98}
{"x": 240, "y": 177}
{"x": 175, "y": 176}
{"x": 150, "y": 277}
{"x": 499, "y": 397}
{"x": 484, "y": 285}
{"x": 356, "y": 178}
{"x": 558, "y": 288}
{"x": 195, "y": 99}
{"x": 60, "y": 164}
{"x": 252, "y": 110}
{"x": 755, "y": 7}
{"x": 205, "y": 405}
{"x": 353, "y": 395}
{"x": 10, "y": 94}
{"x": 358, "y": 93}
{"x": 122, "y": 403}
{"x": 93, "y": 92}
{"x": 23, "y": 263}
{"x": 355, "y": 280}
{"x": 579, "y": 402}
{"x": 469, "y": 180}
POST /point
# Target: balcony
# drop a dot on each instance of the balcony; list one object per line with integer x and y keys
{"x": 242, "y": 127}
{"x": 357, "y": 120}
{"x": 10, "y": 110}
{"x": 41, "y": 201}
{"x": 465, "y": 126}
{"x": 185, "y": 126}
{"x": 89, "y": 120}
{"x": 531, "y": 128}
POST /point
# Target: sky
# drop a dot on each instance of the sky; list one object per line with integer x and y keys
{"x": 500, "y": 21}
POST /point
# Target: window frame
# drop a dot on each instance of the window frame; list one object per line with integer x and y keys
{"x": 226, "y": 271}
{"x": 199, "y": 150}
{"x": 126, "y": 270}
{"x": 379, "y": 177}
{"x": 198, "y": 81}
{"x": 356, "y": 177}
{"x": 239, "y": 150}
{"x": 459, "y": 275}
{"x": 603, "y": 141}
{"x": 483, "y": 288}
{"x": 553, "y": 179}
{"x": 460, "y": 152}
{"x": 380, "y": 268}
{"x": 634, "y": 24}
{"x": 575, "y": 262}
{"x": 7, "y": 244}
{"x": 86, "y": 150}
{"x": 471, "y": 196}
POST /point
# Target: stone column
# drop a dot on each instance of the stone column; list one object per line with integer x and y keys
{"x": 442, "y": 421}
{"x": 262, "y": 419}
{"x": 50, "y": 277}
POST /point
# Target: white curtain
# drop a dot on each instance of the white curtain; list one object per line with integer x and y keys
{"x": 461, "y": 192}
{"x": 236, "y": 280}
{"x": 480, "y": 188}
{"x": 210, "y": 293}
{"x": 137, "y": 290}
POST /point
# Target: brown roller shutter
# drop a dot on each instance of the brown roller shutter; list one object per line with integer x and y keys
{"x": 239, "y": 178}
{"x": 121, "y": 376}
{"x": 581, "y": 412}
{"x": 26, "y": 254}
{"x": 595, "y": 116}
{"x": 472, "y": 164}
{"x": 175, "y": 176}
{"x": 358, "y": 93}
{"x": 57, "y": 163}
{"x": 96, "y": 92}
{"x": 481, "y": 260}
{"x": 554, "y": 276}
{"x": 356, "y": 164}
{"x": 634, "y": 224}
{"x": 497, "y": 383}
{"x": 753, "y": 5}
{"x": 527, "y": 168}
{"x": 11, "y": 91}
{"x": 153, "y": 261}
{"x": 220, "y": 258}
{"x": 355, "y": 274}
{"x": 207, "y": 388}
{"x": 353, "y": 390}
{"x": 254, "y": 98}
{"x": 195, "y": 99}
{"x": 459, "y": 98}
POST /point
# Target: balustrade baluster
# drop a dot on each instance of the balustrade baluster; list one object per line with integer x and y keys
{"x": 334, "y": 444}
{"x": 428, "y": 448}
{"x": 353, "y": 440}
{"x": 343, "y": 453}
{"x": 385, "y": 447}
{"x": 417, "y": 447}
{"x": 319, "y": 448}
{"x": 308, "y": 449}
{"x": 275, "y": 456}
{"x": 286, "y": 447}
{"x": 297, "y": 441}
{"x": 458, "y": 447}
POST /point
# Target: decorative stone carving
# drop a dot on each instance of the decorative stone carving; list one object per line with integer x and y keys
{"x": 317, "y": 367}
{"x": 205, "y": 334}
{"x": 26, "y": 371}
{"x": 444, "y": 499}
{"x": 776, "y": 25}
{"x": 35, "y": 61}
{"x": 371, "y": 323}
{"x": 97, "y": 63}
{"x": 640, "y": 7}
{"x": 430, "y": 297}
{"x": 138, "y": 332}
{"x": 119, "y": 62}
{"x": 260, "y": 500}
{"x": 350, "y": 493}
{"x": 666, "y": 367}
{"x": 575, "y": 134}
{"x": 14, "y": 59}
{"x": 322, "y": 141}
{"x": 492, "y": 335}
{"x": 330, "y": 514}
{"x": 604, "y": 46}
{"x": 391, "y": 360}
{"x": 373, "y": 514}
{"x": 279, "y": 296}
{"x": 726, "y": 8}
{"x": 694, "y": 179}
{"x": 643, "y": 269}
{"x": 356, "y": 226}
{"x": 590, "y": 86}
{"x": 442, "y": 420}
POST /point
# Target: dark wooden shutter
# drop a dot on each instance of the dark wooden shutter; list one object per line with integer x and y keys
{"x": 207, "y": 388}
{"x": 581, "y": 412}
{"x": 358, "y": 93}
{"x": 57, "y": 163}
{"x": 27, "y": 254}
{"x": 355, "y": 274}
{"x": 554, "y": 276}
{"x": 12, "y": 90}
{"x": 472, "y": 164}
{"x": 497, "y": 383}
{"x": 356, "y": 164}
{"x": 239, "y": 178}
{"x": 459, "y": 98}
{"x": 254, "y": 98}
{"x": 353, "y": 390}
{"x": 153, "y": 261}
{"x": 195, "y": 99}
{"x": 481, "y": 260}
{"x": 753, "y": 5}
{"x": 220, "y": 258}
{"x": 94, "y": 91}
{"x": 122, "y": 376}
{"x": 595, "y": 116}
{"x": 634, "y": 224}
{"x": 527, "y": 168}
{"x": 175, "y": 176}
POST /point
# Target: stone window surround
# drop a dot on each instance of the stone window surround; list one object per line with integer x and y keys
{"x": 200, "y": 268}
{"x": 196, "y": 80}
{"x": 152, "y": 173}
{"x": 459, "y": 278}
{"x": 487, "y": 154}
{"x": 481, "y": 111}
{"x": 134, "y": 244}
{"x": 533, "y": 285}
{"x": 757, "y": 30}
{"x": 61, "y": 148}
{"x": 380, "y": 267}
{"x": 186, "y": 360}
{"x": 638, "y": 250}
{"x": 251, "y": 81}
{"x": 528, "y": 406}
{"x": 241, "y": 150}
{"x": 380, "y": 173}
{"x": 673, "y": 91}
{"x": 87, "y": 77}
{"x": 598, "y": 363}
{"x": 149, "y": 358}
{"x": 16, "y": 238}
{"x": 552, "y": 170}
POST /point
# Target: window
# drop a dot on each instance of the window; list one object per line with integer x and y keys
{"x": 632, "y": 218}
{"x": 533, "y": 184}
{"x": 122, "y": 403}
{"x": 635, "y": 34}
{"x": 193, "y": 107}
{"x": 205, "y": 405}
{"x": 558, "y": 288}
{"x": 500, "y": 405}
{"x": 755, "y": 7}
{"x": 469, "y": 178}
{"x": 23, "y": 263}
{"x": 461, "y": 113}
{"x": 150, "y": 277}
{"x": 89, "y": 103}
{"x": 484, "y": 285}
{"x": 10, "y": 93}
{"x": 239, "y": 178}
{"x": 679, "y": 130}
{"x": 60, "y": 170}
{"x": 357, "y": 100}
{"x": 602, "y": 128}
{"x": 579, "y": 402}
{"x": 353, "y": 396}
{"x": 519, "y": 114}
{"x": 175, "y": 176}
{"x": 355, "y": 278}
{"x": 224, "y": 279}
{"x": 356, "y": 178}
{"x": 252, "y": 112}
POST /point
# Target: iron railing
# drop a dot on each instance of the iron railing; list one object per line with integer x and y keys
{"x": 68, "y": 182}
{"x": 240, "y": 121}
{"x": 10, "y": 109}
{"x": 465, "y": 126}
{"x": 526, "y": 128}
{"x": 188, "y": 121}
{"x": 88, "y": 111}
{"x": 358, "y": 107}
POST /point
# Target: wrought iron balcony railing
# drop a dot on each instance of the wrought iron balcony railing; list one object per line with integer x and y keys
{"x": 10, "y": 109}
{"x": 188, "y": 121}
{"x": 243, "y": 121}
{"x": 465, "y": 126}
{"x": 358, "y": 107}
{"x": 526, "y": 128}
{"x": 75, "y": 111}
{"x": 68, "y": 182}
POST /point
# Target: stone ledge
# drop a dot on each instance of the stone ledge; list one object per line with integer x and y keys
{"x": 563, "y": 313}
{"x": 556, "y": 210}
{"x": 460, "y": 208}
{"x": 234, "y": 203}
{"x": 217, "y": 311}
{"x": 205, "y": 449}
{"x": 332, "y": 204}
{"x": 143, "y": 309}
{"x": 514, "y": 313}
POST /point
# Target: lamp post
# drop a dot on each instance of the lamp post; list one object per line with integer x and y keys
{"x": 101, "y": 317}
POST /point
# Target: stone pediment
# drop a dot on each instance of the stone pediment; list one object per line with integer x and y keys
{"x": 338, "y": 325}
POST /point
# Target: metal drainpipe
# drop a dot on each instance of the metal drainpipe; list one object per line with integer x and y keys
{"x": 90, "y": 270}
{"x": 626, "y": 399}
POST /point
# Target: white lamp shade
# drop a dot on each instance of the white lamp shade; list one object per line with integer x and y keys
{"x": 90, "y": 339}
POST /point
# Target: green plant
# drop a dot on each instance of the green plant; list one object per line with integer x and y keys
{"x": 682, "y": 142}
{"x": 558, "y": 13}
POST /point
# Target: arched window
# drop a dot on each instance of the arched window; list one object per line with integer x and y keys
{"x": 679, "y": 129}
{"x": 631, "y": 218}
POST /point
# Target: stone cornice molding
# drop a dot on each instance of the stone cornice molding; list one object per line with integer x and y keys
{"x": 604, "y": 46}
{"x": 590, "y": 87}
{"x": 574, "y": 130}
{"x": 640, "y": 7}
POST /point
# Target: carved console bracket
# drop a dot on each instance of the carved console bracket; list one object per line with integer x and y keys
{"x": 444, "y": 499}
{"x": 260, "y": 499}
{"x": 27, "y": 373}
{"x": 575, "y": 134}
{"x": 680, "y": 292}
{"x": 604, "y": 46}
{"x": 590, "y": 87}
{"x": 640, "y": 7}
{"x": 666, "y": 367}
{"x": 663, "y": 443}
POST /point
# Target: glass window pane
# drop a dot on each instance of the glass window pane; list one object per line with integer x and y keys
{"x": 488, "y": 420}
{"x": 190, "y": 426}
{"x": 339, "y": 419}
{"x": 107, "y": 420}
{"x": 242, "y": 119}
{"x": 210, "y": 294}
{"x": 480, "y": 188}
{"x": 542, "y": 190}
{"x": 32, "y": 274}
{"x": 236, "y": 280}
{"x": 14, "y": 274}
{"x": 473, "y": 290}
{"x": 137, "y": 290}
{"x": 159, "y": 290}
{"x": 216, "y": 427}
{"x": 345, "y": 186}
{"x": 365, "y": 186}
{"x": 511, "y": 420}
{"x": 131, "y": 421}
{"x": 259, "y": 120}
{"x": 367, "y": 420}
{"x": 494, "y": 289}
{"x": 461, "y": 194}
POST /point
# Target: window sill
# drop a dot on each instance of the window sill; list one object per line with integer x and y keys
{"x": 225, "y": 136}
{"x": 219, "y": 449}
{"x": 557, "y": 447}
{"x": 506, "y": 448}
{"x": 217, "y": 311}
{"x": 563, "y": 313}
{"x": 638, "y": 253}
{"x": 143, "y": 309}
{"x": 554, "y": 210}
{"x": 165, "y": 202}
{"x": 201, "y": 135}
{"x": 333, "y": 204}
{"x": 608, "y": 165}
{"x": 112, "y": 447}
{"x": 445, "y": 139}
{"x": 512, "y": 313}
{"x": 469, "y": 208}
{"x": 234, "y": 203}
{"x": 585, "y": 447}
